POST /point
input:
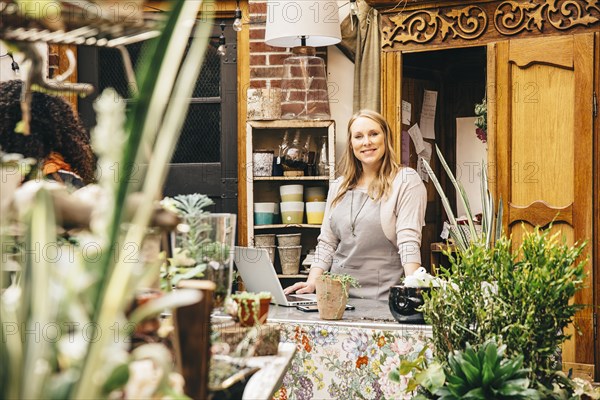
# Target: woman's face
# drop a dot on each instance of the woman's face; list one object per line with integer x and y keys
{"x": 367, "y": 141}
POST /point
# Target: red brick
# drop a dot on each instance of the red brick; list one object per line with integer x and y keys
{"x": 257, "y": 7}
{"x": 258, "y": 83}
{"x": 262, "y": 47}
{"x": 278, "y": 59}
{"x": 257, "y": 33}
{"x": 257, "y": 59}
{"x": 266, "y": 72}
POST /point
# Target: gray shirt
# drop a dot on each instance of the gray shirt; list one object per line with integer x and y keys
{"x": 363, "y": 250}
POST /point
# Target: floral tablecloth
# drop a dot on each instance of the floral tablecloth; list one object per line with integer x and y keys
{"x": 344, "y": 362}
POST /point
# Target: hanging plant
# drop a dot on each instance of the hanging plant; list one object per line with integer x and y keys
{"x": 481, "y": 121}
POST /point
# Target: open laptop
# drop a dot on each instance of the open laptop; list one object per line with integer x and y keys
{"x": 259, "y": 275}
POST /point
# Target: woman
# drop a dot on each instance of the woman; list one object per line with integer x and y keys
{"x": 57, "y": 139}
{"x": 374, "y": 214}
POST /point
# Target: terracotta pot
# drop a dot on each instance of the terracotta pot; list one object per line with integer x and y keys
{"x": 331, "y": 298}
{"x": 250, "y": 314}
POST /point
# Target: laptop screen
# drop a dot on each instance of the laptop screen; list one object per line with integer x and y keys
{"x": 259, "y": 275}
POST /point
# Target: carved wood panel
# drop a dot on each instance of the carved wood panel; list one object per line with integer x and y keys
{"x": 460, "y": 25}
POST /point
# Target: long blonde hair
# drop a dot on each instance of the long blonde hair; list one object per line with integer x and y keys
{"x": 351, "y": 168}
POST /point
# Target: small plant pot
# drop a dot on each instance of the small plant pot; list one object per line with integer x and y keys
{"x": 332, "y": 297}
{"x": 289, "y": 257}
{"x": 250, "y": 313}
{"x": 289, "y": 239}
{"x": 267, "y": 239}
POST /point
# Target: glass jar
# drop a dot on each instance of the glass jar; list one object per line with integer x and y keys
{"x": 323, "y": 157}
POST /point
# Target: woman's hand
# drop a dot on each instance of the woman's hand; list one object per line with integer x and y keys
{"x": 410, "y": 268}
{"x": 300, "y": 288}
{"x": 305, "y": 287}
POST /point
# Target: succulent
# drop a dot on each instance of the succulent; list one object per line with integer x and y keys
{"x": 485, "y": 374}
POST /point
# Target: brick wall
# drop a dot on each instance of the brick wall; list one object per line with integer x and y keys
{"x": 266, "y": 67}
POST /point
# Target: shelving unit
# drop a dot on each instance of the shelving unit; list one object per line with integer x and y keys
{"x": 268, "y": 135}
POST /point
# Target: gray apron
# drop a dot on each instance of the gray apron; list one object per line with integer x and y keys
{"x": 367, "y": 254}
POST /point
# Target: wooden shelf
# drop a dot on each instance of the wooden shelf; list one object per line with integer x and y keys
{"x": 290, "y": 124}
{"x": 281, "y": 226}
{"x": 291, "y": 178}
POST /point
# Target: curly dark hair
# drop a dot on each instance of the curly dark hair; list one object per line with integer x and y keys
{"x": 54, "y": 128}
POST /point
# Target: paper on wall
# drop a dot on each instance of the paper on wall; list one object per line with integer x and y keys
{"x": 424, "y": 155}
{"x": 406, "y": 108}
{"x": 427, "y": 122}
{"x": 417, "y": 138}
{"x": 405, "y": 157}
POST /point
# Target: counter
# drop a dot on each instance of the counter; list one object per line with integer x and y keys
{"x": 346, "y": 359}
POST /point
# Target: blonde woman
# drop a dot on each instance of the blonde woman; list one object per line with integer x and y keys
{"x": 374, "y": 214}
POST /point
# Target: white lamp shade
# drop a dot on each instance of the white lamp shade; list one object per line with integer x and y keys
{"x": 288, "y": 21}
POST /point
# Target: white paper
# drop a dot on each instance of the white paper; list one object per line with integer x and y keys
{"x": 406, "y": 107}
{"x": 427, "y": 122}
{"x": 417, "y": 138}
{"x": 470, "y": 154}
{"x": 424, "y": 155}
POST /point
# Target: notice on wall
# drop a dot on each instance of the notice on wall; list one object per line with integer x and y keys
{"x": 424, "y": 155}
{"x": 427, "y": 122}
{"x": 406, "y": 110}
{"x": 417, "y": 138}
{"x": 405, "y": 148}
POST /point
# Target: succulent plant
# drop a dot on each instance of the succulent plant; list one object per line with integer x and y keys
{"x": 485, "y": 374}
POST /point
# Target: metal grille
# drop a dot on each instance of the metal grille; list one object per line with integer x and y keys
{"x": 209, "y": 84}
{"x": 110, "y": 68}
{"x": 200, "y": 140}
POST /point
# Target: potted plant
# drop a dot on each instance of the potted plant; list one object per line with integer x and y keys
{"x": 491, "y": 291}
{"x": 332, "y": 294}
{"x": 249, "y": 308}
{"x": 483, "y": 372}
{"x": 203, "y": 249}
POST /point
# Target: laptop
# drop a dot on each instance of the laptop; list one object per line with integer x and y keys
{"x": 259, "y": 275}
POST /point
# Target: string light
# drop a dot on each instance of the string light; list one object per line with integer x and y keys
{"x": 237, "y": 23}
{"x": 222, "y": 49}
{"x": 14, "y": 66}
{"x": 353, "y": 7}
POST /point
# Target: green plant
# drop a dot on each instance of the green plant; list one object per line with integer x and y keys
{"x": 481, "y": 120}
{"x": 482, "y": 372}
{"x": 345, "y": 279}
{"x": 489, "y": 218}
{"x": 84, "y": 296}
{"x": 494, "y": 292}
{"x": 247, "y": 305}
{"x": 191, "y": 208}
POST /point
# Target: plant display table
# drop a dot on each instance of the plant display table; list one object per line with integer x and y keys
{"x": 346, "y": 359}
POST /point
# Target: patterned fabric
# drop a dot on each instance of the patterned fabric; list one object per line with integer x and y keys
{"x": 342, "y": 362}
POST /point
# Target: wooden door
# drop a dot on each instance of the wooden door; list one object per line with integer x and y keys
{"x": 541, "y": 114}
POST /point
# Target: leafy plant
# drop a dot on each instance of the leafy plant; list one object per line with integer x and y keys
{"x": 87, "y": 293}
{"x": 345, "y": 279}
{"x": 489, "y": 219}
{"x": 481, "y": 120}
{"x": 493, "y": 292}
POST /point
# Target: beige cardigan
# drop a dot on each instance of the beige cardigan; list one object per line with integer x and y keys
{"x": 402, "y": 216}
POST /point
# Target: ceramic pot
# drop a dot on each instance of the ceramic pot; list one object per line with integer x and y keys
{"x": 404, "y": 302}
{"x": 250, "y": 314}
{"x": 331, "y": 298}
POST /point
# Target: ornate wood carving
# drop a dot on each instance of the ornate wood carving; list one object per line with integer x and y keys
{"x": 539, "y": 213}
{"x": 422, "y": 26}
{"x": 485, "y": 21}
{"x": 512, "y": 17}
